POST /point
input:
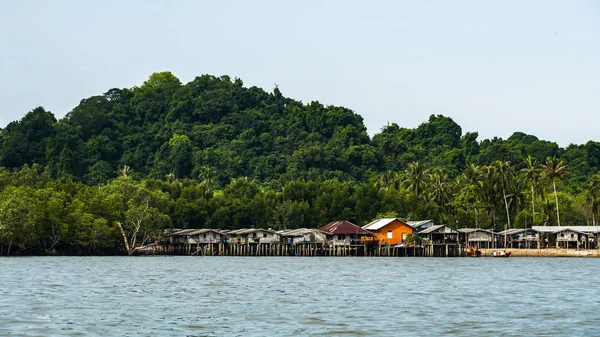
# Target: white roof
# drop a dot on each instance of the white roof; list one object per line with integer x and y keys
{"x": 471, "y": 230}
{"x": 447, "y": 230}
{"x": 417, "y": 223}
{"x": 378, "y": 224}
{"x": 555, "y": 229}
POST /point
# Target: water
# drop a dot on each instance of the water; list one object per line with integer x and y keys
{"x": 285, "y": 296}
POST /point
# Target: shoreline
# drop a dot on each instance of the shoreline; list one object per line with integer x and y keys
{"x": 544, "y": 252}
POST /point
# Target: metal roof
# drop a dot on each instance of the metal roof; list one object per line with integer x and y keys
{"x": 435, "y": 228}
{"x": 555, "y": 229}
{"x": 206, "y": 230}
{"x": 196, "y": 231}
{"x": 471, "y": 230}
{"x": 301, "y": 232}
{"x": 516, "y": 231}
{"x": 243, "y": 231}
{"x": 183, "y": 232}
{"x": 379, "y": 224}
{"x": 344, "y": 227}
{"x": 417, "y": 223}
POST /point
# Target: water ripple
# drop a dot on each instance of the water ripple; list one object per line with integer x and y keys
{"x": 241, "y": 296}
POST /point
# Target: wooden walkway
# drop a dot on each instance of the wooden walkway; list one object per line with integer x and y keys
{"x": 306, "y": 249}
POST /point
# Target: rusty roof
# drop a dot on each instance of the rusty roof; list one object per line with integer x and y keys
{"x": 344, "y": 227}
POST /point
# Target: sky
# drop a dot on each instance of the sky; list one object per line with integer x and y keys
{"x": 494, "y": 67}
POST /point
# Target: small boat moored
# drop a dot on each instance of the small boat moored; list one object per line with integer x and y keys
{"x": 501, "y": 253}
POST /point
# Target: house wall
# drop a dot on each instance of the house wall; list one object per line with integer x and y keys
{"x": 398, "y": 230}
{"x": 211, "y": 237}
{"x": 343, "y": 239}
{"x": 262, "y": 237}
{"x": 479, "y": 236}
{"x": 567, "y": 235}
{"x": 308, "y": 238}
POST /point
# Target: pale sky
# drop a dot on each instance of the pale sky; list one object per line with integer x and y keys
{"x": 494, "y": 67}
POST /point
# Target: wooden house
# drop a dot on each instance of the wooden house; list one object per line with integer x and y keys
{"x": 438, "y": 235}
{"x": 206, "y": 235}
{"x": 252, "y": 235}
{"x": 346, "y": 233}
{"x": 477, "y": 237}
{"x": 521, "y": 237}
{"x": 389, "y": 231}
{"x": 571, "y": 238}
{"x": 554, "y": 233}
{"x": 181, "y": 236}
{"x": 304, "y": 235}
{"x": 420, "y": 225}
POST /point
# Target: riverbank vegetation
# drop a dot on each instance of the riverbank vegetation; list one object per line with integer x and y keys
{"x": 212, "y": 153}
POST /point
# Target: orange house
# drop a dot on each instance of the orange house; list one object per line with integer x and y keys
{"x": 391, "y": 231}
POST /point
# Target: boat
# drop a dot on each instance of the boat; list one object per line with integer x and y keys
{"x": 474, "y": 252}
{"x": 501, "y": 253}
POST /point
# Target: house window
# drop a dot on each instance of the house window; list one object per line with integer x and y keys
{"x": 264, "y": 235}
{"x": 389, "y": 234}
{"x": 342, "y": 237}
{"x": 562, "y": 235}
{"x": 572, "y": 236}
{"x": 254, "y": 235}
{"x": 205, "y": 235}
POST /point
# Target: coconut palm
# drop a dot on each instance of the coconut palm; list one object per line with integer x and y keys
{"x": 471, "y": 190}
{"x": 554, "y": 168}
{"x": 503, "y": 172}
{"x": 388, "y": 180}
{"x": 592, "y": 195}
{"x": 533, "y": 175}
{"x": 489, "y": 191}
{"x": 440, "y": 190}
{"x": 416, "y": 179}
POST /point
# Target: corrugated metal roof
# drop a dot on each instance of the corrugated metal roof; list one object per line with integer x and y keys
{"x": 243, "y": 231}
{"x": 417, "y": 223}
{"x": 205, "y": 230}
{"x": 344, "y": 227}
{"x": 301, "y": 232}
{"x": 471, "y": 230}
{"x": 183, "y": 232}
{"x": 196, "y": 231}
{"x": 516, "y": 231}
{"x": 435, "y": 228}
{"x": 555, "y": 229}
{"x": 379, "y": 224}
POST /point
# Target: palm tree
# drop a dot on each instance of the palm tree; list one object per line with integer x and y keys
{"x": 388, "y": 180}
{"x": 489, "y": 191}
{"x": 416, "y": 179}
{"x": 553, "y": 168}
{"x": 207, "y": 175}
{"x": 440, "y": 190}
{"x": 592, "y": 195}
{"x": 533, "y": 175}
{"x": 503, "y": 172}
{"x": 471, "y": 192}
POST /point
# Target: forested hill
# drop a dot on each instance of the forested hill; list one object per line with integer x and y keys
{"x": 213, "y": 153}
{"x": 215, "y": 125}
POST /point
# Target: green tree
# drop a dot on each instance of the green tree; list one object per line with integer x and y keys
{"x": 136, "y": 210}
{"x": 592, "y": 196}
{"x": 416, "y": 180}
{"x": 503, "y": 172}
{"x": 553, "y": 169}
{"x": 533, "y": 176}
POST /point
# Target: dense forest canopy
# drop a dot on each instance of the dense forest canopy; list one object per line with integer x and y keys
{"x": 121, "y": 166}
